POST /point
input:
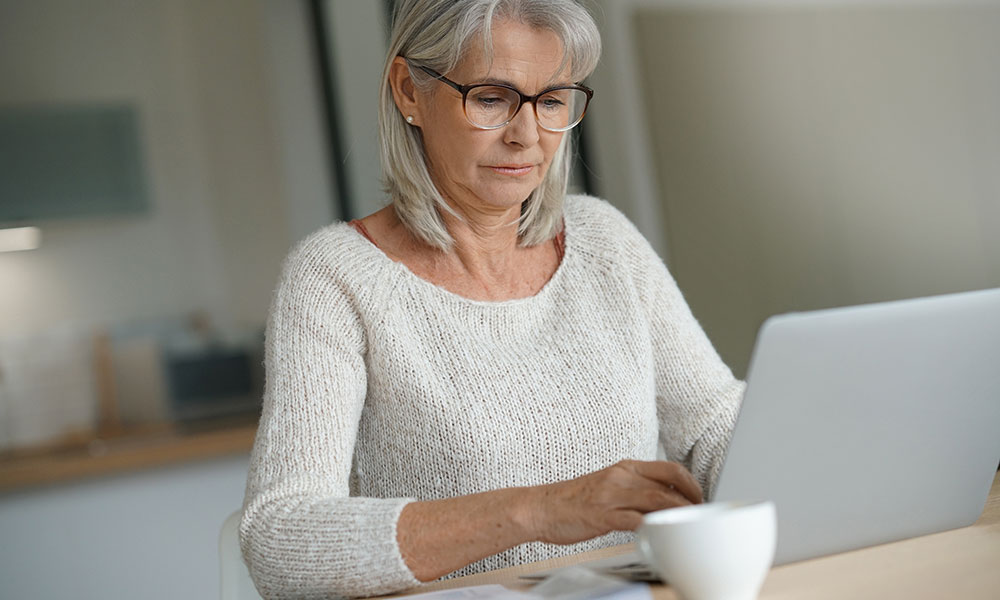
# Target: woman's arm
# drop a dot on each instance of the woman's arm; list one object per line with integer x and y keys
{"x": 439, "y": 536}
{"x": 697, "y": 396}
{"x": 302, "y": 534}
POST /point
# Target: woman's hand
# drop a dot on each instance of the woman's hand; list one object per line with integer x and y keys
{"x": 438, "y": 536}
{"x": 611, "y": 499}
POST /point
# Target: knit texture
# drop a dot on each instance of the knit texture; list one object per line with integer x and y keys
{"x": 383, "y": 388}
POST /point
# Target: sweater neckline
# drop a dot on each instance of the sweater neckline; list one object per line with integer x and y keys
{"x": 569, "y": 243}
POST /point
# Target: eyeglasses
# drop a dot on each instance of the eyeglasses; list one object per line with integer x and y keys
{"x": 493, "y": 105}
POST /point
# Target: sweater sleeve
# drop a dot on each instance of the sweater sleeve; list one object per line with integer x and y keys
{"x": 697, "y": 396}
{"x": 302, "y": 535}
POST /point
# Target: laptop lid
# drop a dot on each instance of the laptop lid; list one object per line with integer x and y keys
{"x": 871, "y": 423}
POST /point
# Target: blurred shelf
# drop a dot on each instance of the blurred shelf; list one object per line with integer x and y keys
{"x": 131, "y": 450}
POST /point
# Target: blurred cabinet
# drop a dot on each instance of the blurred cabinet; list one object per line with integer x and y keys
{"x": 59, "y": 162}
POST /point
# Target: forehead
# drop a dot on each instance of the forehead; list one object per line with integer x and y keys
{"x": 519, "y": 54}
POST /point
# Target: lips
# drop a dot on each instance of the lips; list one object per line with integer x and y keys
{"x": 516, "y": 170}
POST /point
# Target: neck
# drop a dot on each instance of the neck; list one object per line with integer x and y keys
{"x": 485, "y": 239}
{"x": 485, "y": 262}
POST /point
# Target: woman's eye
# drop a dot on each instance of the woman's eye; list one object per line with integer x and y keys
{"x": 551, "y": 103}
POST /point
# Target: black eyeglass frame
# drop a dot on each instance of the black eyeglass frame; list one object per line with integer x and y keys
{"x": 522, "y": 98}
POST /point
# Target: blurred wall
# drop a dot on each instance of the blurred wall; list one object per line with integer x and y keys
{"x": 821, "y": 154}
{"x": 237, "y": 170}
{"x": 218, "y": 87}
{"x": 357, "y": 45}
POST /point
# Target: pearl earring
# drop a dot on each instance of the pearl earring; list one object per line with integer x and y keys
{"x": 409, "y": 119}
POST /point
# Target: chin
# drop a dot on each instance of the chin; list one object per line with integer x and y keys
{"x": 508, "y": 200}
{"x": 509, "y": 195}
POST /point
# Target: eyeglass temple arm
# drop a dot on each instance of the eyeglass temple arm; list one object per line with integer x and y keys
{"x": 437, "y": 76}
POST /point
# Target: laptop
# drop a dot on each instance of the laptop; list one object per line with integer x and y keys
{"x": 867, "y": 424}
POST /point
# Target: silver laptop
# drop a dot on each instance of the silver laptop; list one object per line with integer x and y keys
{"x": 871, "y": 423}
{"x": 867, "y": 424}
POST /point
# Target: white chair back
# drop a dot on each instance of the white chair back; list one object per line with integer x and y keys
{"x": 235, "y": 582}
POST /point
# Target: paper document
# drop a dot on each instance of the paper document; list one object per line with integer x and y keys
{"x": 477, "y": 592}
{"x": 631, "y": 566}
{"x": 580, "y": 583}
{"x": 568, "y": 583}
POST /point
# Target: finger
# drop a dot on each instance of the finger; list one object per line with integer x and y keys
{"x": 672, "y": 475}
{"x": 624, "y": 520}
{"x": 649, "y": 494}
{"x": 658, "y": 499}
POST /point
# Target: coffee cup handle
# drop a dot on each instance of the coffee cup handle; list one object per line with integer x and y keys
{"x": 642, "y": 543}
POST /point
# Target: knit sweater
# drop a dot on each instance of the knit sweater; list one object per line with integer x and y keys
{"x": 383, "y": 388}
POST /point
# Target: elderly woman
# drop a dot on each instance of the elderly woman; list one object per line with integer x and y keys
{"x": 480, "y": 374}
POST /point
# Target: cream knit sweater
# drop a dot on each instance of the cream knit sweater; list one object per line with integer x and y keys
{"x": 383, "y": 388}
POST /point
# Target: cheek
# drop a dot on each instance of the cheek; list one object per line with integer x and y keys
{"x": 454, "y": 156}
{"x": 550, "y": 144}
{"x": 453, "y": 153}
{"x": 442, "y": 132}
{"x": 438, "y": 144}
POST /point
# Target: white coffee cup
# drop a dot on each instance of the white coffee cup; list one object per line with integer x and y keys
{"x": 714, "y": 551}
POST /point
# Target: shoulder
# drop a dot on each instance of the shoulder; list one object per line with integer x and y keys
{"x": 336, "y": 250}
{"x": 332, "y": 262}
{"x": 599, "y": 229}
{"x": 582, "y": 208}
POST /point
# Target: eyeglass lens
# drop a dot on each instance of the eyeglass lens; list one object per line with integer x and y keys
{"x": 492, "y": 106}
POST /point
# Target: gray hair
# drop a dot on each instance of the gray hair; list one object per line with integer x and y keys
{"x": 435, "y": 33}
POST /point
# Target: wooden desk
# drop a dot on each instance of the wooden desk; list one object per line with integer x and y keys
{"x": 128, "y": 452}
{"x": 962, "y": 563}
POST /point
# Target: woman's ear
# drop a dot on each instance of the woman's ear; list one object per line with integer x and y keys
{"x": 404, "y": 92}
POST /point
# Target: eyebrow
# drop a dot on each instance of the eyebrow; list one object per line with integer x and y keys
{"x": 548, "y": 86}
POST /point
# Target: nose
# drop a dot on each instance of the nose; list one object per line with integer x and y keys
{"x": 523, "y": 127}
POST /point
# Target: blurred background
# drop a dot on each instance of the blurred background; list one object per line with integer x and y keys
{"x": 158, "y": 158}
